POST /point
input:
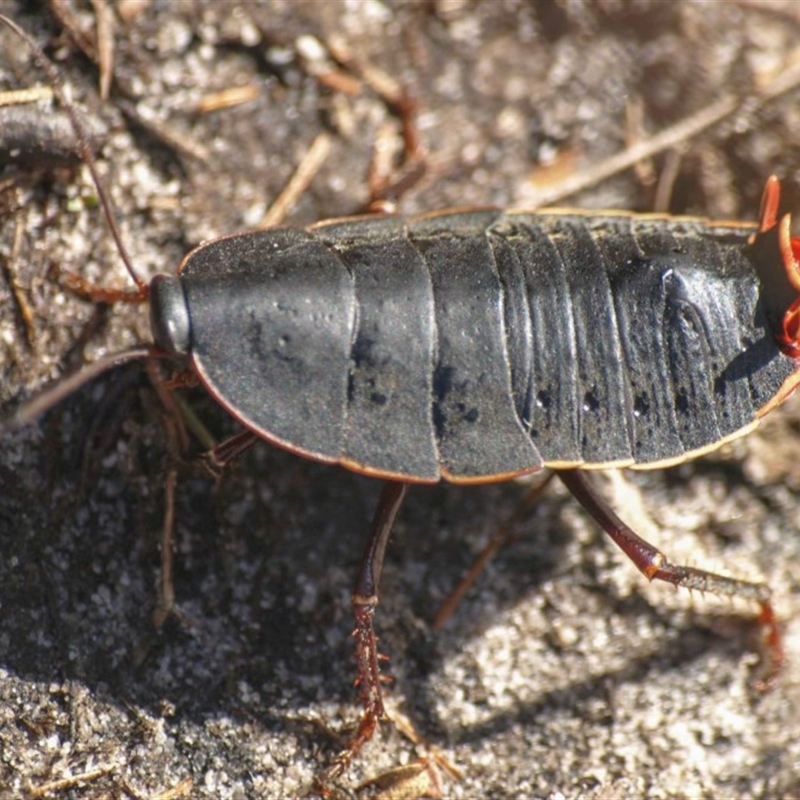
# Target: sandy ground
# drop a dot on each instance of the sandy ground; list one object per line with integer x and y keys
{"x": 562, "y": 674}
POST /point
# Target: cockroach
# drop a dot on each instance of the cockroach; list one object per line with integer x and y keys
{"x": 476, "y": 346}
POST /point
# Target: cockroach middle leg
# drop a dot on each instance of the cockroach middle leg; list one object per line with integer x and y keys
{"x": 654, "y": 565}
{"x": 365, "y": 601}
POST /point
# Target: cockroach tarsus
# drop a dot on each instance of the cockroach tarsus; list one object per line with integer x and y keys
{"x": 480, "y": 345}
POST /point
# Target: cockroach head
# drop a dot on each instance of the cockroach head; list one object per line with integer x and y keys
{"x": 169, "y": 315}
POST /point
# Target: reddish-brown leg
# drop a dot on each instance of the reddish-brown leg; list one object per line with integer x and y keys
{"x": 654, "y": 565}
{"x": 222, "y": 454}
{"x": 501, "y": 537}
{"x": 365, "y": 601}
{"x": 216, "y": 459}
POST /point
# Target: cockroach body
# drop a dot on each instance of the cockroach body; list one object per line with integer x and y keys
{"x": 477, "y": 346}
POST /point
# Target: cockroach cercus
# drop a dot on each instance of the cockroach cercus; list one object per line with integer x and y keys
{"x": 481, "y": 345}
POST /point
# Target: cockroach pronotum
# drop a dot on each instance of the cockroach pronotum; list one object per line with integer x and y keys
{"x": 481, "y": 345}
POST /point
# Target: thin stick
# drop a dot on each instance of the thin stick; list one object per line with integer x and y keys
{"x": 538, "y": 197}
{"x": 71, "y": 782}
{"x": 298, "y": 183}
{"x": 673, "y": 136}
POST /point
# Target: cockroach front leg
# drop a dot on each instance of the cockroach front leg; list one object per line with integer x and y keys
{"x": 654, "y": 565}
{"x": 365, "y": 601}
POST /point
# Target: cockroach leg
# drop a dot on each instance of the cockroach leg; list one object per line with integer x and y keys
{"x": 177, "y": 419}
{"x": 165, "y": 603}
{"x": 653, "y": 564}
{"x": 502, "y": 535}
{"x": 177, "y": 435}
{"x": 365, "y": 601}
{"x": 177, "y": 442}
{"x": 219, "y": 456}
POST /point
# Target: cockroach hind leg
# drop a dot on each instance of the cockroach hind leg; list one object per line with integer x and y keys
{"x": 654, "y": 565}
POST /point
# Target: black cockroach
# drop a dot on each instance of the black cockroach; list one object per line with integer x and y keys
{"x": 480, "y": 345}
